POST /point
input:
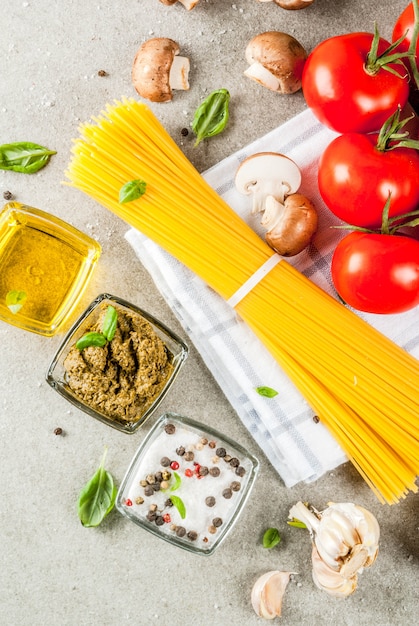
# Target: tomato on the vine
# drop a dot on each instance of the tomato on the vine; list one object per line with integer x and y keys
{"x": 354, "y": 82}
{"x": 357, "y": 173}
{"x": 377, "y": 273}
{"x": 404, "y": 27}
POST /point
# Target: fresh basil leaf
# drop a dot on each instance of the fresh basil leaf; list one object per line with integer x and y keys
{"x": 24, "y": 157}
{"x": 91, "y": 339}
{"x": 15, "y": 300}
{"x": 97, "y": 498}
{"x": 212, "y": 115}
{"x": 271, "y": 538}
{"x": 132, "y": 190}
{"x": 268, "y": 392}
{"x": 177, "y": 482}
{"x": 178, "y": 503}
{"x": 110, "y": 322}
{"x": 296, "y": 523}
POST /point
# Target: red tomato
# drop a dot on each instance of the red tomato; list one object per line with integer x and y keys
{"x": 341, "y": 92}
{"x": 355, "y": 179}
{"x": 404, "y": 27}
{"x": 377, "y": 273}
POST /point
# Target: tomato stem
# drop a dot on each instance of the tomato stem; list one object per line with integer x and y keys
{"x": 412, "y": 45}
{"x": 393, "y": 136}
{"x": 376, "y": 62}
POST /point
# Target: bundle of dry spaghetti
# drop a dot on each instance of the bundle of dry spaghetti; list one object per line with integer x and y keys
{"x": 362, "y": 386}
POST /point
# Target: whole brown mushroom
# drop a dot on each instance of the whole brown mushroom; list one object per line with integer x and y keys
{"x": 188, "y": 4}
{"x": 291, "y": 226}
{"x": 158, "y": 69}
{"x": 276, "y": 61}
{"x": 291, "y": 5}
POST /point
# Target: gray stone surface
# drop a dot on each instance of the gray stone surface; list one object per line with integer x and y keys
{"x": 54, "y": 572}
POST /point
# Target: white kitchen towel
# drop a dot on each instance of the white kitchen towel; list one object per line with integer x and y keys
{"x": 297, "y": 445}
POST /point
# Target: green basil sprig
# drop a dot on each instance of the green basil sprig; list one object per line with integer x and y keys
{"x": 271, "y": 538}
{"x": 212, "y": 115}
{"x": 132, "y": 190}
{"x": 110, "y": 322}
{"x": 91, "y": 339}
{"x": 97, "y": 498}
{"x": 179, "y": 504}
{"x": 24, "y": 157}
{"x": 15, "y": 299}
{"x": 268, "y": 392}
{"x": 107, "y": 333}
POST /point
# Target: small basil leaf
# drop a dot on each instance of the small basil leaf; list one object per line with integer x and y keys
{"x": 271, "y": 538}
{"x": 97, "y": 498}
{"x": 110, "y": 323}
{"x": 132, "y": 190}
{"x": 178, "y": 503}
{"x": 268, "y": 392}
{"x": 91, "y": 339}
{"x": 15, "y": 300}
{"x": 296, "y": 523}
{"x": 212, "y": 115}
{"x": 24, "y": 157}
{"x": 177, "y": 482}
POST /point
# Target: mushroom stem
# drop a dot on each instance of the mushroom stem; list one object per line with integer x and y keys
{"x": 179, "y": 73}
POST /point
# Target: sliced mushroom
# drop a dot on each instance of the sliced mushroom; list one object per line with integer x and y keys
{"x": 291, "y": 225}
{"x": 158, "y": 69}
{"x": 291, "y": 5}
{"x": 267, "y": 174}
{"x": 276, "y": 61}
{"x": 188, "y": 4}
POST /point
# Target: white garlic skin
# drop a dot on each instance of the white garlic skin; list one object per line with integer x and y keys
{"x": 268, "y": 592}
{"x": 345, "y": 540}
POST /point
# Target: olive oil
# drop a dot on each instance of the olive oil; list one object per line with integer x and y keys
{"x": 48, "y": 260}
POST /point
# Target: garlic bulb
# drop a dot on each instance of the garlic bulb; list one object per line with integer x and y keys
{"x": 267, "y": 594}
{"x": 345, "y": 540}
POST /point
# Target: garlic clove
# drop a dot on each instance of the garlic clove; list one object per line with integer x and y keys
{"x": 268, "y": 592}
{"x": 329, "y": 580}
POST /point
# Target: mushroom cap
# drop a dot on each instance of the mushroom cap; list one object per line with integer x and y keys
{"x": 292, "y": 5}
{"x": 151, "y": 68}
{"x": 282, "y": 55}
{"x": 267, "y": 166}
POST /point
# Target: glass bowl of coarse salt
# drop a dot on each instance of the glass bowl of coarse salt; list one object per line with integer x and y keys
{"x": 187, "y": 484}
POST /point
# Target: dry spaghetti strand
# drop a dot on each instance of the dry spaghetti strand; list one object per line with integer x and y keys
{"x": 364, "y": 388}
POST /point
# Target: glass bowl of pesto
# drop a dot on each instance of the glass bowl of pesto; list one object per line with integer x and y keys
{"x": 117, "y": 363}
{"x": 45, "y": 265}
{"x": 187, "y": 484}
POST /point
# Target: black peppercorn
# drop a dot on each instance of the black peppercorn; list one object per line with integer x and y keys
{"x": 234, "y": 462}
{"x": 148, "y": 491}
{"x": 217, "y": 521}
{"x": 210, "y": 501}
{"x": 170, "y": 429}
{"x": 159, "y": 520}
{"x": 235, "y": 485}
{"x": 192, "y": 535}
{"x": 184, "y": 132}
{"x": 180, "y": 531}
{"x": 7, "y": 195}
{"x": 221, "y": 452}
{"x": 58, "y": 431}
{"x": 102, "y": 73}
{"x": 151, "y": 516}
{"x": 227, "y": 493}
{"x": 165, "y": 461}
{"x": 189, "y": 456}
{"x": 203, "y": 470}
{"x": 240, "y": 471}
{"x": 214, "y": 471}
{"x": 180, "y": 451}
